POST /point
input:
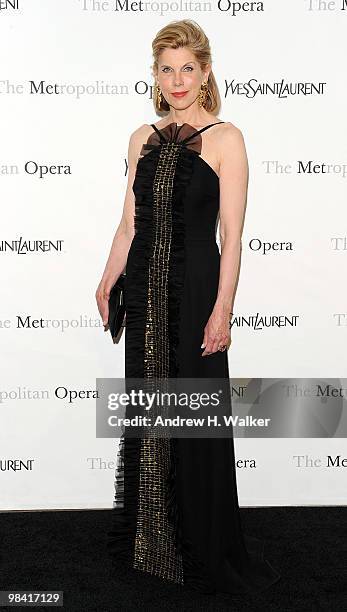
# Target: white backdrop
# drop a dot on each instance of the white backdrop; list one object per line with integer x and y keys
{"x": 75, "y": 81}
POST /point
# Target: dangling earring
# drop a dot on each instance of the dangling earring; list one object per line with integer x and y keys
{"x": 158, "y": 94}
{"x": 203, "y": 93}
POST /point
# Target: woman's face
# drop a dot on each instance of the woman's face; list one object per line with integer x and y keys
{"x": 179, "y": 73}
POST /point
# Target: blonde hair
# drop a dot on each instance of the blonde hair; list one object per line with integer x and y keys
{"x": 186, "y": 33}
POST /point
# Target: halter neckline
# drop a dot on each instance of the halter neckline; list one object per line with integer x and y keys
{"x": 178, "y": 128}
{"x": 185, "y": 123}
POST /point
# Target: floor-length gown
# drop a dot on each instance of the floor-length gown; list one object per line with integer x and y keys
{"x": 176, "y": 512}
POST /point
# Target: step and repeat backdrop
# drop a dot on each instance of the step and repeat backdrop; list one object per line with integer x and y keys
{"x": 75, "y": 82}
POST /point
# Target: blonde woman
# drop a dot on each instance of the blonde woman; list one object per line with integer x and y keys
{"x": 176, "y": 512}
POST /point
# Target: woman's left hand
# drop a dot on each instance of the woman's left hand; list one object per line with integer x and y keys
{"x": 216, "y": 332}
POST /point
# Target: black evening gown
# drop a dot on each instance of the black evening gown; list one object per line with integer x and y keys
{"x": 176, "y": 513}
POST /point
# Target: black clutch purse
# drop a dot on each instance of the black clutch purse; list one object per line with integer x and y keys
{"x": 116, "y": 307}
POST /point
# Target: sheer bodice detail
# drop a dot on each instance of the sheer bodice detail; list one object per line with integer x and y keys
{"x": 185, "y": 135}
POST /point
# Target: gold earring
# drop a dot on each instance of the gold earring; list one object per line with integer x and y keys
{"x": 158, "y": 94}
{"x": 203, "y": 93}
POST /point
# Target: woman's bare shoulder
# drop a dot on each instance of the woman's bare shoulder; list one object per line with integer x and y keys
{"x": 230, "y": 135}
{"x": 137, "y": 138}
{"x": 230, "y": 129}
{"x": 141, "y": 132}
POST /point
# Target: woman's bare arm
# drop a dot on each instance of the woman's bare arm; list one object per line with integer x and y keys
{"x": 233, "y": 181}
{"x": 233, "y": 197}
{"x": 125, "y": 232}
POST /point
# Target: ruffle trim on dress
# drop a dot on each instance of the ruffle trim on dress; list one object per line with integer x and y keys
{"x": 137, "y": 277}
{"x": 121, "y": 536}
{"x": 183, "y": 175}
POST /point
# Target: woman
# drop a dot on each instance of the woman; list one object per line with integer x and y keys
{"x": 177, "y": 513}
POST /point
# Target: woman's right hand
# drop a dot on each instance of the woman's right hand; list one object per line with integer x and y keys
{"x": 102, "y": 295}
{"x": 124, "y": 235}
